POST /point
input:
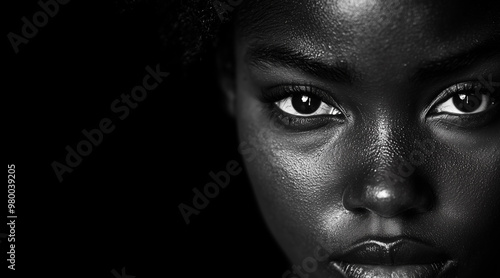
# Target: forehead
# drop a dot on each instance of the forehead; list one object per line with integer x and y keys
{"x": 370, "y": 31}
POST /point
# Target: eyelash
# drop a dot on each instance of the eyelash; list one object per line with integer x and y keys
{"x": 467, "y": 119}
{"x": 460, "y": 88}
{"x": 277, "y": 93}
{"x": 297, "y": 123}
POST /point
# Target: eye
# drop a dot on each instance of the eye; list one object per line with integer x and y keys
{"x": 301, "y": 107}
{"x": 300, "y": 104}
{"x": 466, "y": 99}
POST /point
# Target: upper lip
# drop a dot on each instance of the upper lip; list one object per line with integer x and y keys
{"x": 395, "y": 251}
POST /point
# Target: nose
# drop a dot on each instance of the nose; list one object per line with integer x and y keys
{"x": 388, "y": 198}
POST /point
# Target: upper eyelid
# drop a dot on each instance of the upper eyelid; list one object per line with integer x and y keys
{"x": 326, "y": 97}
{"x": 471, "y": 85}
{"x": 448, "y": 93}
{"x": 453, "y": 89}
{"x": 315, "y": 91}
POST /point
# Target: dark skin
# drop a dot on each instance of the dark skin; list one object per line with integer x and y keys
{"x": 381, "y": 73}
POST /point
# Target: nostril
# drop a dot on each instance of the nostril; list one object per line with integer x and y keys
{"x": 350, "y": 200}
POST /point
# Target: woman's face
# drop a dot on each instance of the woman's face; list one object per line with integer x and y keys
{"x": 370, "y": 131}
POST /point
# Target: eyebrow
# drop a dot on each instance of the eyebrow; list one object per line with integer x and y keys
{"x": 281, "y": 55}
{"x": 342, "y": 72}
{"x": 430, "y": 70}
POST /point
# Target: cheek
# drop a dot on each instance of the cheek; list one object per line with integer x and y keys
{"x": 293, "y": 191}
{"x": 288, "y": 181}
{"x": 467, "y": 184}
{"x": 297, "y": 179}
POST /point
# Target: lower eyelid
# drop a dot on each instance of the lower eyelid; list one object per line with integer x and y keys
{"x": 464, "y": 121}
{"x": 298, "y": 123}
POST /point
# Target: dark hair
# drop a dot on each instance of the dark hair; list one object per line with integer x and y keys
{"x": 188, "y": 30}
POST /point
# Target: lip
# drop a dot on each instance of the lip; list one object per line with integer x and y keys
{"x": 391, "y": 257}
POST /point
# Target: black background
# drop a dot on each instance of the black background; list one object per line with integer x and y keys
{"x": 119, "y": 207}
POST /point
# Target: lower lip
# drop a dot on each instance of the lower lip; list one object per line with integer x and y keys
{"x": 388, "y": 271}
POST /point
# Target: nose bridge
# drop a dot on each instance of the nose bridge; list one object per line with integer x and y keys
{"x": 389, "y": 185}
{"x": 388, "y": 140}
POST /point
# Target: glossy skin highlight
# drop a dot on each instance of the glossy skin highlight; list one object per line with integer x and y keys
{"x": 326, "y": 184}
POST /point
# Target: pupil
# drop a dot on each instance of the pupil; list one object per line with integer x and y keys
{"x": 467, "y": 102}
{"x": 305, "y": 104}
